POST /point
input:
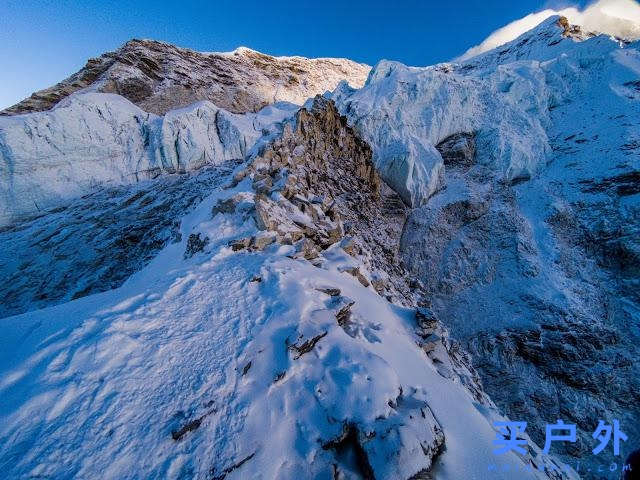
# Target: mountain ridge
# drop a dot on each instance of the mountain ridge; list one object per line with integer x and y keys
{"x": 386, "y": 271}
{"x": 158, "y": 77}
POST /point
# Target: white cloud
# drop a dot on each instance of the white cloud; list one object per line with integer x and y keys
{"x": 613, "y": 17}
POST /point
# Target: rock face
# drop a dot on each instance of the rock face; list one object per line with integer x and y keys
{"x": 159, "y": 77}
{"x": 326, "y": 175}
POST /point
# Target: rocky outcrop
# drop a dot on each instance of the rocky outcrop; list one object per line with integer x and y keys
{"x": 159, "y": 77}
{"x": 317, "y": 182}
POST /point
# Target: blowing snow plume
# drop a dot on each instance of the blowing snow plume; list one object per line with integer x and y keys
{"x": 620, "y": 18}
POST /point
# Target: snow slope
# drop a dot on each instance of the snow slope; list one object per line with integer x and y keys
{"x": 618, "y": 18}
{"x": 233, "y": 362}
{"x": 261, "y": 341}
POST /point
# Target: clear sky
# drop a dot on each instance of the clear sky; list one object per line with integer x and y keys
{"x": 42, "y": 42}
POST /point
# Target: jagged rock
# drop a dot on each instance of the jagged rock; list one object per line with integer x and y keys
{"x": 306, "y": 346}
{"x": 240, "y": 243}
{"x": 325, "y": 173}
{"x": 195, "y": 244}
{"x": 331, "y": 291}
{"x": 306, "y": 249}
{"x": 158, "y": 77}
{"x": 342, "y": 305}
{"x": 379, "y": 281}
{"x": 263, "y": 240}
{"x": 262, "y": 184}
{"x": 355, "y": 271}
{"x": 264, "y": 216}
{"x": 231, "y": 204}
{"x": 348, "y": 244}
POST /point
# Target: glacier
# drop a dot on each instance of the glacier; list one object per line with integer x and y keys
{"x": 527, "y": 220}
{"x": 95, "y": 139}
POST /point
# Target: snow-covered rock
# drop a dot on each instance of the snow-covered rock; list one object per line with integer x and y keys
{"x": 261, "y": 341}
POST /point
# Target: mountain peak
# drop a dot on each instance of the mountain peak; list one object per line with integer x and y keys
{"x": 616, "y": 18}
{"x": 158, "y": 76}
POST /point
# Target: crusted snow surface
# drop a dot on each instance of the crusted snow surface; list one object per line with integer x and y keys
{"x": 93, "y": 139}
{"x": 232, "y": 364}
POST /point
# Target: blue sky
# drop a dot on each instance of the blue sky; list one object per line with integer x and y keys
{"x": 42, "y": 42}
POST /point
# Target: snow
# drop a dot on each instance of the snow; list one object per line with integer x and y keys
{"x": 195, "y": 361}
{"x": 403, "y": 112}
{"x": 504, "y": 260}
{"x": 619, "y": 18}
{"x": 232, "y": 364}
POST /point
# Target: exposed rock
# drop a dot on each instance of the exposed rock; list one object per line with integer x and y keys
{"x": 342, "y": 306}
{"x": 195, "y": 244}
{"x": 306, "y": 249}
{"x": 159, "y": 77}
{"x": 263, "y": 240}
{"x": 331, "y": 291}
{"x": 348, "y": 244}
{"x": 355, "y": 271}
{"x": 458, "y": 150}
{"x": 327, "y": 184}
{"x": 240, "y": 243}
{"x": 306, "y": 346}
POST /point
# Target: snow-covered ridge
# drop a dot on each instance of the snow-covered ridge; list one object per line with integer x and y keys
{"x": 618, "y": 18}
{"x": 259, "y": 346}
{"x": 158, "y": 77}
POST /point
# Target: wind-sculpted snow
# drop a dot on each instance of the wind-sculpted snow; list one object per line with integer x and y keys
{"x": 93, "y": 139}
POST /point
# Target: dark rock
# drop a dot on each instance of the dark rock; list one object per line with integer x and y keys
{"x": 195, "y": 244}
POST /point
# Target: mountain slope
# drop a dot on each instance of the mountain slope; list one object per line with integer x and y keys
{"x": 264, "y": 305}
{"x": 291, "y": 278}
{"x": 159, "y": 77}
{"x": 524, "y": 165}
